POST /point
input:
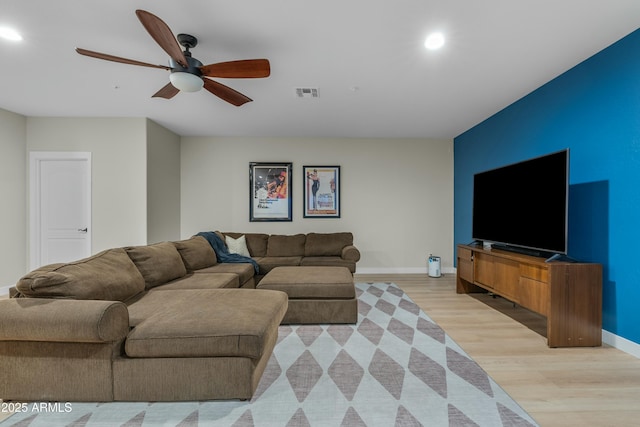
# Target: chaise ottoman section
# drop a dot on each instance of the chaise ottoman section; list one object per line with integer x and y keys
{"x": 204, "y": 323}
{"x": 206, "y": 344}
{"x": 316, "y": 294}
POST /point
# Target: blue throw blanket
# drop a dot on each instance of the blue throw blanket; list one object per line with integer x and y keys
{"x": 223, "y": 253}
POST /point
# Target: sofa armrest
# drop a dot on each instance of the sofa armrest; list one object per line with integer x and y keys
{"x": 58, "y": 320}
{"x": 13, "y": 292}
{"x": 350, "y": 253}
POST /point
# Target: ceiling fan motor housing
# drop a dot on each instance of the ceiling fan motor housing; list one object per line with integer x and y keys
{"x": 193, "y": 65}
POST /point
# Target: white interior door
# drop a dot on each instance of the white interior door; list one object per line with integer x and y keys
{"x": 60, "y": 207}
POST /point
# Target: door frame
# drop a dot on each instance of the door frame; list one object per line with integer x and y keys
{"x": 35, "y": 160}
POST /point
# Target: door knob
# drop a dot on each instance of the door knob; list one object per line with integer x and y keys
{"x": 84, "y": 230}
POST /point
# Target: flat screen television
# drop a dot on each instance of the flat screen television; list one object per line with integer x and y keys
{"x": 523, "y": 206}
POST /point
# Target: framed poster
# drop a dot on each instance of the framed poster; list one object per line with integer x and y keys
{"x": 269, "y": 191}
{"x": 321, "y": 191}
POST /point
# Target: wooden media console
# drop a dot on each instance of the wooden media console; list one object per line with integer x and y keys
{"x": 568, "y": 294}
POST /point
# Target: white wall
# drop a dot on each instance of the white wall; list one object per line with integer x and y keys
{"x": 396, "y": 195}
{"x": 163, "y": 184}
{"x": 119, "y": 177}
{"x": 13, "y": 217}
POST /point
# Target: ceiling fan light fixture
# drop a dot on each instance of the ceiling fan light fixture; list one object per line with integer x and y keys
{"x": 186, "y": 82}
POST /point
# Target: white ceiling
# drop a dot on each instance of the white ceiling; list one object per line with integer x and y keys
{"x": 366, "y": 57}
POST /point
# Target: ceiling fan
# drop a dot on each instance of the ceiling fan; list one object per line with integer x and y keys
{"x": 187, "y": 73}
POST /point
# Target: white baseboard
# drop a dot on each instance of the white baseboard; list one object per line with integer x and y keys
{"x": 4, "y": 291}
{"x": 406, "y": 270}
{"x": 620, "y": 343}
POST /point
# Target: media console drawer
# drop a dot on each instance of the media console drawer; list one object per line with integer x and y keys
{"x": 569, "y": 295}
{"x": 534, "y": 295}
{"x": 498, "y": 274}
{"x": 535, "y": 272}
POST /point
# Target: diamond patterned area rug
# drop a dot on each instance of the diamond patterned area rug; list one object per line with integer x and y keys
{"x": 395, "y": 367}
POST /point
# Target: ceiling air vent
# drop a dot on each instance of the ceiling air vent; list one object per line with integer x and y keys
{"x": 307, "y": 92}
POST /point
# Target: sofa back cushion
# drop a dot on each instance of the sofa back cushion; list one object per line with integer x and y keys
{"x": 109, "y": 275}
{"x": 327, "y": 244}
{"x": 158, "y": 263}
{"x": 256, "y": 242}
{"x": 196, "y": 253}
{"x": 281, "y": 245}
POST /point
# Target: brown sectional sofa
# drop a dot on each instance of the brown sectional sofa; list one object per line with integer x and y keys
{"x": 162, "y": 322}
{"x": 312, "y": 249}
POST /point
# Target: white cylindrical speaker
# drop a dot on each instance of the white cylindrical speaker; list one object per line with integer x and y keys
{"x": 434, "y": 266}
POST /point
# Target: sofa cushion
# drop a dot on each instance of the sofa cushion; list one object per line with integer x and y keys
{"x": 202, "y": 281}
{"x": 206, "y": 323}
{"x": 108, "y": 275}
{"x": 269, "y": 263}
{"x": 282, "y": 245}
{"x": 158, "y": 263}
{"x": 237, "y": 246}
{"x": 256, "y": 242}
{"x": 196, "y": 253}
{"x": 243, "y": 270}
{"x": 328, "y": 261}
{"x": 327, "y": 244}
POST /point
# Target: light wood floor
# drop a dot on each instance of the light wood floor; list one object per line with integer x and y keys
{"x": 557, "y": 387}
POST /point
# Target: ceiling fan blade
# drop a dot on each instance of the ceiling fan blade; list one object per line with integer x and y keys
{"x": 99, "y": 55}
{"x": 162, "y": 34}
{"x": 243, "y": 69}
{"x": 168, "y": 91}
{"x": 230, "y": 95}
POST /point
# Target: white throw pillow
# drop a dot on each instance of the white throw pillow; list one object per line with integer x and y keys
{"x": 237, "y": 246}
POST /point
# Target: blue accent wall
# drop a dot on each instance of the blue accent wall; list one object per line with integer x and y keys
{"x": 594, "y": 110}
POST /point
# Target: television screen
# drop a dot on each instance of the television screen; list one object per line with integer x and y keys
{"x": 524, "y": 205}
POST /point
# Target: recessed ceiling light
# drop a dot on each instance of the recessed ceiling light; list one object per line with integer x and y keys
{"x": 10, "y": 34}
{"x": 434, "y": 41}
